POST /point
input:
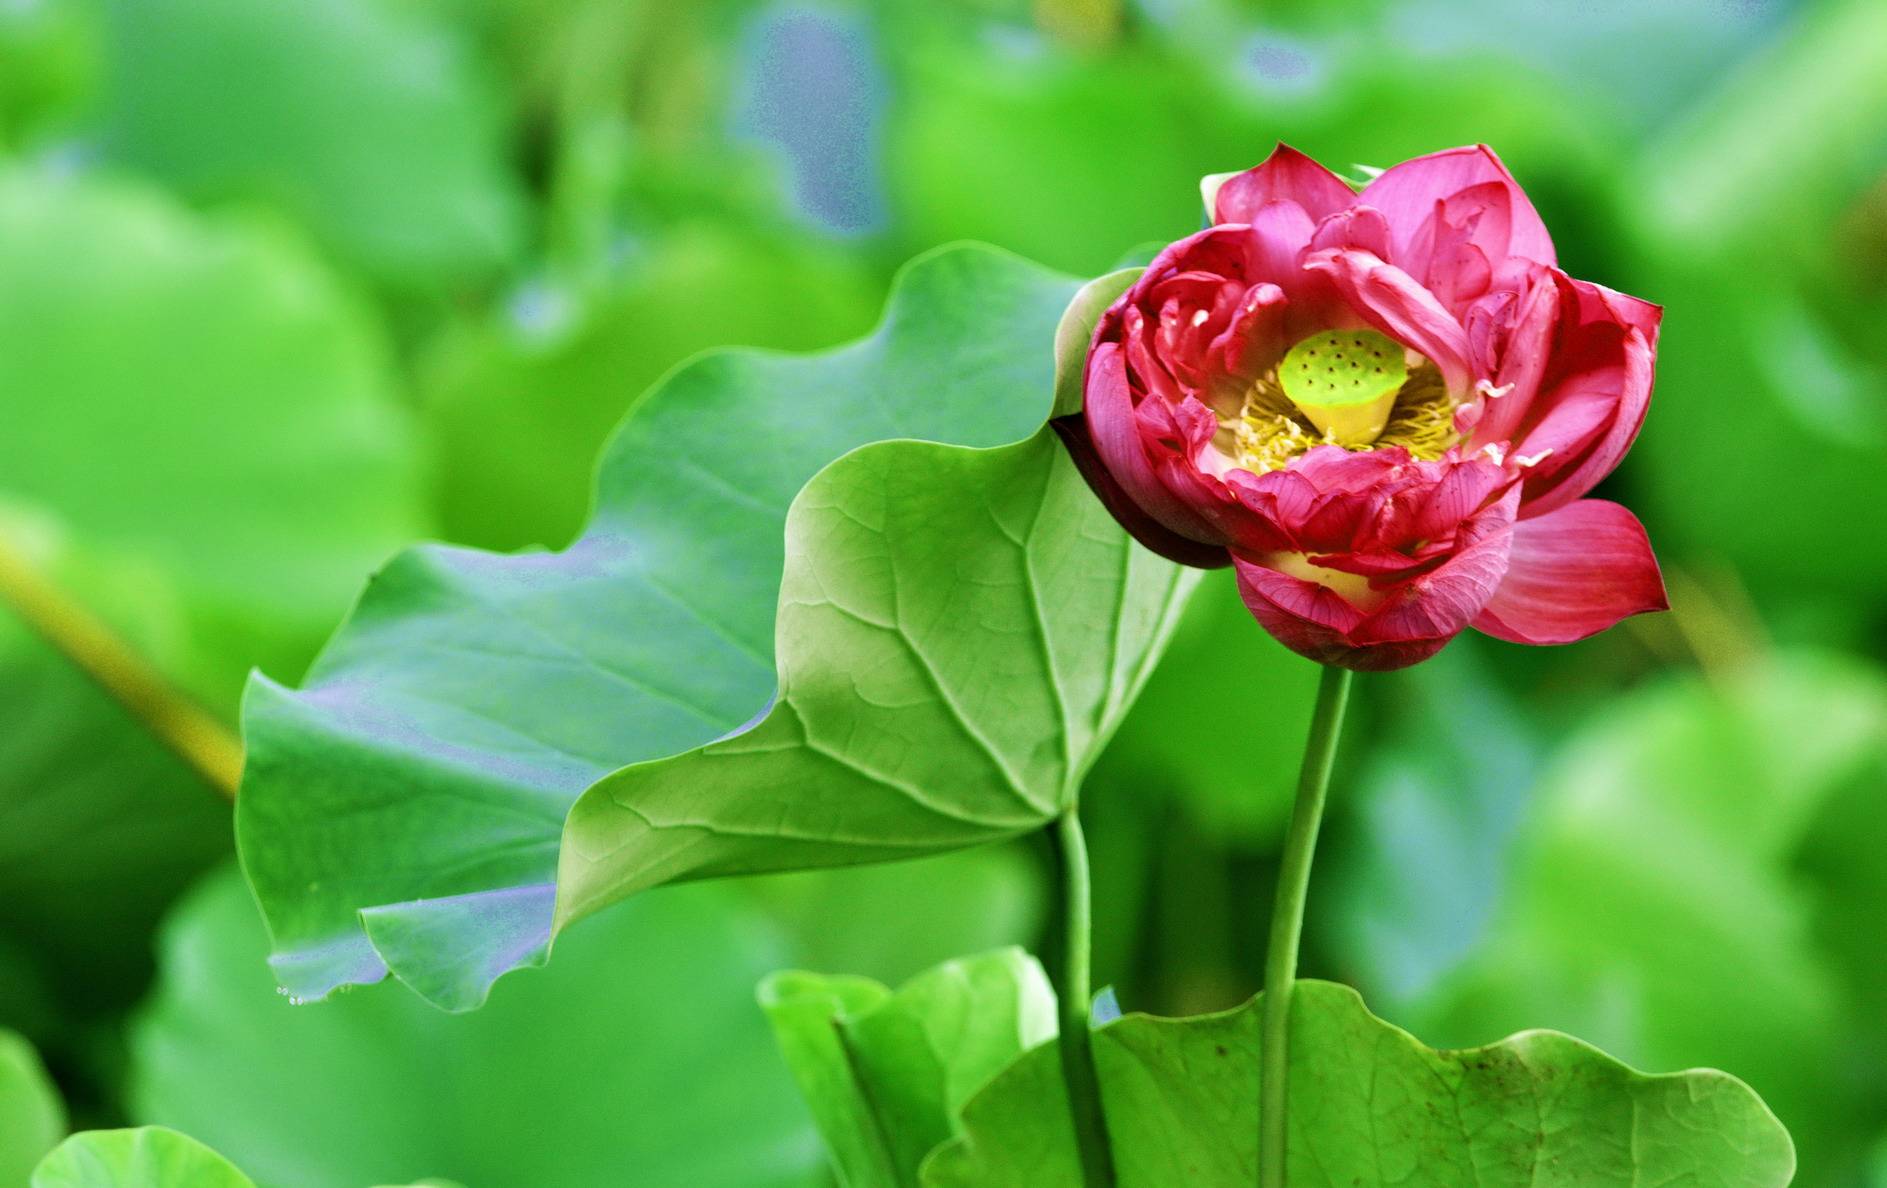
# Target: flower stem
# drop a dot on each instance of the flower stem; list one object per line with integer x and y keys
{"x": 176, "y": 721}
{"x": 1287, "y": 922}
{"x": 1074, "y": 996}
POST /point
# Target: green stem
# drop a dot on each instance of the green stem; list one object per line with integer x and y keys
{"x": 1287, "y": 922}
{"x": 1074, "y": 995}
{"x": 188, "y": 730}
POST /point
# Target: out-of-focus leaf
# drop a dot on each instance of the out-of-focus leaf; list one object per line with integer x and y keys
{"x": 1416, "y": 859}
{"x": 1371, "y": 1107}
{"x": 1750, "y": 219}
{"x": 48, "y": 66}
{"x": 144, "y": 1157}
{"x": 100, "y": 828}
{"x": 141, "y": 1157}
{"x": 32, "y": 1119}
{"x": 639, "y": 1053}
{"x": 364, "y": 119}
{"x": 1222, "y": 721}
{"x": 419, "y": 783}
{"x": 1064, "y": 158}
{"x": 519, "y": 410}
{"x": 201, "y": 447}
{"x": 1650, "y": 903}
{"x": 887, "y": 1073}
{"x": 202, "y": 402}
{"x": 893, "y": 920}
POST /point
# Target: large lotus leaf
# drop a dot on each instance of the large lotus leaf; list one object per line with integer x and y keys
{"x": 520, "y": 405}
{"x": 960, "y": 632}
{"x": 32, "y": 1118}
{"x": 887, "y": 1073}
{"x": 638, "y": 1056}
{"x": 144, "y": 1157}
{"x": 366, "y": 120}
{"x": 405, "y": 809}
{"x": 202, "y": 448}
{"x": 1652, "y": 900}
{"x": 1371, "y": 1107}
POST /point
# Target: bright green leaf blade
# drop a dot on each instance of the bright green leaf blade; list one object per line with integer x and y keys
{"x": 960, "y": 632}
{"x": 32, "y": 1118}
{"x": 637, "y": 1056}
{"x": 368, "y": 122}
{"x": 418, "y": 783}
{"x": 147, "y": 1157}
{"x": 1371, "y": 1107}
{"x": 887, "y": 1074}
{"x": 806, "y": 1010}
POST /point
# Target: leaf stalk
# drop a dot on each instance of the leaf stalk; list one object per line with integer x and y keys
{"x": 1074, "y": 995}
{"x": 1287, "y": 922}
{"x": 192, "y": 733}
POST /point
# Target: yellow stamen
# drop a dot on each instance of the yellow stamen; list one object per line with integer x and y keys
{"x": 1269, "y": 430}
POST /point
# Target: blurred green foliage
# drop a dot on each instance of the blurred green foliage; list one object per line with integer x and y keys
{"x": 286, "y": 286}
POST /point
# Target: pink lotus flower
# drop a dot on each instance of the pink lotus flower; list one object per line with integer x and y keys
{"x": 1382, "y": 407}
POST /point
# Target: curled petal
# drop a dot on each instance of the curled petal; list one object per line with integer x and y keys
{"x": 1390, "y": 300}
{"x": 1618, "y": 397}
{"x": 1407, "y": 195}
{"x": 1361, "y": 227}
{"x": 1572, "y": 574}
{"x": 1285, "y": 176}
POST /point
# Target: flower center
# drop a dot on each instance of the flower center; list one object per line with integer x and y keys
{"x": 1352, "y": 388}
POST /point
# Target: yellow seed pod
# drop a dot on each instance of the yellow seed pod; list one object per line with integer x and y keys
{"x": 1345, "y": 382}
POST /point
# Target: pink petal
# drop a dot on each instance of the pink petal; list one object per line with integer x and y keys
{"x": 1407, "y": 194}
{"x": 1442, "y": 603}
{"x": 1572, "y": 574}
{"x": 1565, "y": 477}
{"x": 1115, "y": 432}
{"x": 1358, "y": 227}
{"x": 1286, "y": 176}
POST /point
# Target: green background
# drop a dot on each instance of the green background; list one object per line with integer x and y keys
{"x": 285, "y": 287}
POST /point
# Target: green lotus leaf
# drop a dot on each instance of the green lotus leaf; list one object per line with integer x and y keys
{"x": 887, "y": 1073}
{"x": 1371, "y": 1107}
{"x": 32, "y": 1118}
{"x": 637, "y": 1056}
{"x": 923, "y": 649}
{"x": 144, "y": 1157}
